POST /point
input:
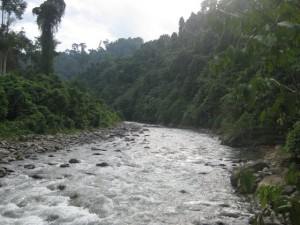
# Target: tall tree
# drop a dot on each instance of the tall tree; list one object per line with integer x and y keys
{"x": 49, "y": 16}
{"x": 181, "y": 25}
{"x": 10, "y": 10}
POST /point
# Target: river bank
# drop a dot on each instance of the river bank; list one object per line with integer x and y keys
{"x": 29, "y": 147}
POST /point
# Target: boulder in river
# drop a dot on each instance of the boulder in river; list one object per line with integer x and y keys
{"x": 74, "y": 161}
{"x": 29, "y": 166}
{"x": 64, "y": 165}
{"x": 2, "y": 172}
{"x": 103, "y": 164}
{"x": 37, "y": 177}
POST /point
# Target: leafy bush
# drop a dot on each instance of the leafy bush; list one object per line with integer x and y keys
{"x": 268, "y": 195}
{"x": 36, "y": 103}
{"x": 292, "y": 143}
{"x": 3, "y": 104}
{"x": 247, "y": 181}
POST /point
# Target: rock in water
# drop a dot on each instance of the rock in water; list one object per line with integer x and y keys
{"x": 74, "y": 161}
{"x": 64, "y": 165}
{"x": 29, "y": 166}
{"x": 2, "y": 172}
{"x": 103, "y": 164}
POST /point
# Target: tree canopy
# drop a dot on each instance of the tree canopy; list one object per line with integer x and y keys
{"x": 233, "y": 66}
{"x": 49, "y": 16}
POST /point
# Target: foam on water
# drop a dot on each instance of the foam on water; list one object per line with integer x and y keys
{"x": 158, "y": 176}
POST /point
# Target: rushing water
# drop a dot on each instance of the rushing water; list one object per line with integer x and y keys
{"x": 152, "y": 176}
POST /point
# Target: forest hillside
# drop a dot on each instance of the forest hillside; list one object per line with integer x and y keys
{"x": 234, "y": 67}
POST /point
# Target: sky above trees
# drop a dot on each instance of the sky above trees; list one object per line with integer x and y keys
{"x": 90, "y": 21}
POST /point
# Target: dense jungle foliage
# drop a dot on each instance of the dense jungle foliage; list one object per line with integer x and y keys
{"x": 43, "y": 104}
{"x": 234, "y": 66}
{"x": 32, "y": 98}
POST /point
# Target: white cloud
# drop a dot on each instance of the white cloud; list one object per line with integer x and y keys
{"x": 90, "y": 21}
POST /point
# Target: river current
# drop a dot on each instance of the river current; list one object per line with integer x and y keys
{"x": 152, "y": 176}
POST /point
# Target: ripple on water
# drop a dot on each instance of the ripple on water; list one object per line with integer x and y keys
{"x": 163, "y": 176}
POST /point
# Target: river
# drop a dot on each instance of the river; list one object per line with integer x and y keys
{"x": 151, "y": 176}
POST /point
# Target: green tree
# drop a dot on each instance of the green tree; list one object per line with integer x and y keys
{"x": 49, "y": 16}
{"x": 10, "y": 10}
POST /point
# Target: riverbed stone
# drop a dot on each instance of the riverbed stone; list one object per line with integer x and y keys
{"x": 61, "y": 187}
{"x": 64, "y": 165}
{"x": 103, "y": 164}
{"x": 288, "y": 190}
{"x": 3, "y": 172}
{"x": 97, "y": 154}
{"x": 74, "y": 161}
{"x": 4, "y": 151}
{"x": 37, "y": 177}
{"x": 29, "y": 166}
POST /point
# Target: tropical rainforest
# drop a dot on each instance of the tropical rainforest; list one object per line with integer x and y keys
{"x": 233, "y": 66}
{"x": 32, "y": 98}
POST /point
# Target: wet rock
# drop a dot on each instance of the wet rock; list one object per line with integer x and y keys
{"x": 256, "y": 166}
{"x": 51, "y": 156}
{"x": 103, "y": 164}
{"x": 61, "y": 187}
{"x": 230, "y": 214}
{"x": 52, "y": 217}
{"x": 9, "y": 170}
{"x": 98, "y": 149}
{"x": 203, "y": 173}
{"x": 288, "y": 190}
{"x": 64, "y": 165}
{"x": 4, "y": 161}
{"x": 267, "y": 171}
{"x": 37, "y": 177}
{"x": 224, "y": 205}
{"x": 10, "y": 159}
{"x": 4, "y": 151}
{"x": 74, "y": 161}
{"x": 29, "y": 166}
{"x": 73, "y": 196}
{"x": 97, "y": 154}
{"x": 34, "y": 157}
{"x": 271, "y": 221}
{"x": 237, "y": 161}
{"x": 183, "y": 191}
{"x": 90, "y": 174}
{"x": 3, "y": 172}
{"x": 117, "y": 150}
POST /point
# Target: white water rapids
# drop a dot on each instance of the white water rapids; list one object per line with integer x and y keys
{"x": 149, "y": 177}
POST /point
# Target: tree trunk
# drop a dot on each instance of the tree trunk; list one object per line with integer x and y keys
{"x": 1, "y": 62}
{"x": 4, "y": 62}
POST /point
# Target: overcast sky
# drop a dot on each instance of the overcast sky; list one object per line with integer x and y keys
{"x": 90, "y": 21}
